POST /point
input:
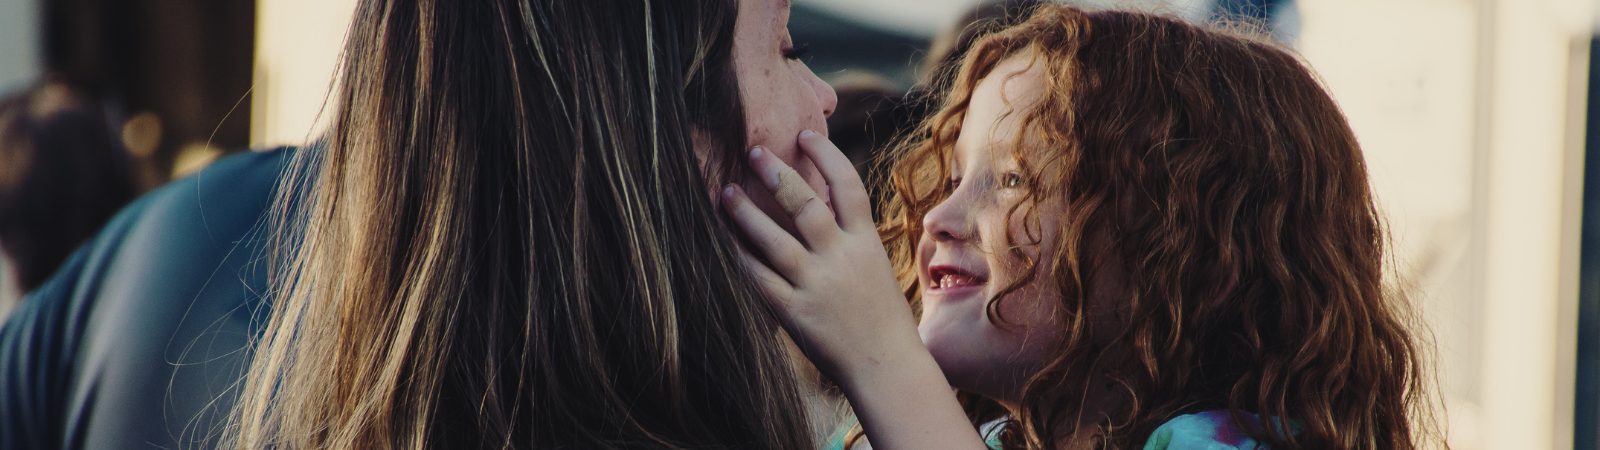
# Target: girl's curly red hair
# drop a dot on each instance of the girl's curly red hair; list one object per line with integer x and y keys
{"x": 1225, "y": 185}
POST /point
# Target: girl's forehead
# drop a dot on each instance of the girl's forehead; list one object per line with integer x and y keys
{"x": 992, "y": 126}
{"x": 1015, "y": 82}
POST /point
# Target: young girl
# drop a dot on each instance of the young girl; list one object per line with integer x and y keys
{"x": 1120, "y": 231}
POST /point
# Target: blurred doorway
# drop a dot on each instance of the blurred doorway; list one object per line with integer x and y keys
{"x": 178, "y": 71}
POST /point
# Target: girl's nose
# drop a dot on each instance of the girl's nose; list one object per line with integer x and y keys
{"x": 949, "y": 221}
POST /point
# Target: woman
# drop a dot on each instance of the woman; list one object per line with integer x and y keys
{"x": 1121, "y": 230}
{"x": 509, "y": 240}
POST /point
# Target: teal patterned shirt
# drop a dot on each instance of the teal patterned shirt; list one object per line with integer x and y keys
{"x": 1208, "y": 430}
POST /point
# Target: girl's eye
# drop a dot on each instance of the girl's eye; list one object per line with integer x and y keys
{"x": 1011, "y": 180}
{"x": 796, "y": 52}
{"x": 951, "y": 184}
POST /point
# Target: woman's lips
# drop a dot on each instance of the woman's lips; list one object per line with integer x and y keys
{"x": 948, "y": 279}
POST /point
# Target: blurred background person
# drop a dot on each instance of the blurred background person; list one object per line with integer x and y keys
{"x": 63, "y": 173}
{"x": 872, "y": 111}
{"x": 171, "y": 77}
{"x": 949, "y": 46}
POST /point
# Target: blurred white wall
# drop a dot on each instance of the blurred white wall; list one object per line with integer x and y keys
{"x": 19, "y": 68}
{"x": 1470, "y": 112}
{"x": 297, "y": 50}
{"x": 19, "y": 44}
{"x": 10, "y": 292}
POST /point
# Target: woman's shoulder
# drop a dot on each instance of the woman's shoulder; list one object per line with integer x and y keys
{"x": 1207, "y": 430}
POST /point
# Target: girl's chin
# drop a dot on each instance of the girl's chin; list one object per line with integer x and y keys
{"x": 974, "y": 355}
{"x": 959, "y": 348}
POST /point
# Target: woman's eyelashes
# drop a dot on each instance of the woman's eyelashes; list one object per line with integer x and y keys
{"x": 796, "y": 52}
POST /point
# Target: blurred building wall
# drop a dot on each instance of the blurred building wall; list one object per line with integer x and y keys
{"x": 1468, "y": 113}
{"x": 1586, "y": 421}
{"x": 297, "y": 49}
{"x": 19, "y": 43}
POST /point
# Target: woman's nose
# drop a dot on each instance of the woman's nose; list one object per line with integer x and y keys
{"x": 825, "y": 95}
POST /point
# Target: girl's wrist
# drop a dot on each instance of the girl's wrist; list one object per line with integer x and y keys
{"x": 895, "y": 360}
{"x": 903, "y": 400}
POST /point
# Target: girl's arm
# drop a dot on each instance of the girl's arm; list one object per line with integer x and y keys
{"x": 838, "y": 297}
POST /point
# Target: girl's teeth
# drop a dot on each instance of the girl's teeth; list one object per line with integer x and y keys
{"x": 950, "y": 281}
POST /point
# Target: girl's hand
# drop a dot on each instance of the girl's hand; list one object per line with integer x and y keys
{"x": 834, "y": 286}
{"x": 838, "y": 298}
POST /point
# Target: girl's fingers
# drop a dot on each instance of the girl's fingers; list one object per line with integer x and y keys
{"x": 785, "y": 255}
{"x": 811, "y": 216}
{"x": 772, "y": 284}
{"x": 850, "y": 200}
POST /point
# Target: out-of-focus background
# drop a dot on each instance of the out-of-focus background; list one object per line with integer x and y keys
{"x": 1477, "y": 117}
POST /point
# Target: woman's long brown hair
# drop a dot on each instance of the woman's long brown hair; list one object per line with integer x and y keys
{"x": 507, "y": 242}
{"x": 1212, "y": 173}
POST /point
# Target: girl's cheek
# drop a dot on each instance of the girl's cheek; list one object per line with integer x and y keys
{"x": 1026, "y": 232}
{"x": 1030, "y": 219}
{"x": 1038, "y": 326}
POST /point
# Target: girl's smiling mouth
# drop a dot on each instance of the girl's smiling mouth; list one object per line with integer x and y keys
{"x": 945, "y": 278}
